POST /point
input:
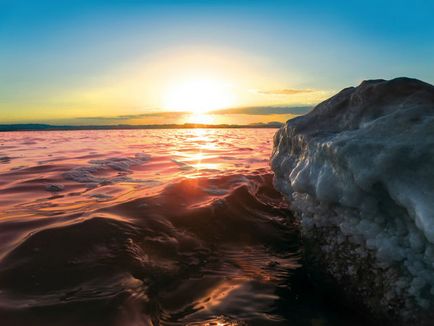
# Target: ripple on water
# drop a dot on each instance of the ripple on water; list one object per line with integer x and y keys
{"x": 161, "y": 227}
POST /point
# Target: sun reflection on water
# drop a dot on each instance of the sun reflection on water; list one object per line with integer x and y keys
{"x": 188, "y": 181}
{"x": 203, "y": 151}
{"x": 219, "y": 293}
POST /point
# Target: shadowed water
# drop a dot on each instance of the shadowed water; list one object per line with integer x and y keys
{"x": 148, "y": 227}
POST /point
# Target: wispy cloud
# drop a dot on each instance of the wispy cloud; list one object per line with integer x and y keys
{"x": 161, "y": 114}
{"x": 286, "y": 91}
{"x": 175, "y": 116}
{"x": 266, "y": 110}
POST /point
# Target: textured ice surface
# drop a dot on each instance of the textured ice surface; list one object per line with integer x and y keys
{"x": 362, "y": 162}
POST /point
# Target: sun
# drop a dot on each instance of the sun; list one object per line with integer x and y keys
{"x": 199, "y": 118}
{"x": 198, "y": 96}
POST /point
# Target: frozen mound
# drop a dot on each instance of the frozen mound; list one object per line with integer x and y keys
{"x": 358, "y": 171}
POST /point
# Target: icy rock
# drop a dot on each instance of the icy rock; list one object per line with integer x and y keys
{"x": 358, "y": 171}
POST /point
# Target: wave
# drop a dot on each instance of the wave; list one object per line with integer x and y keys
{"x": 168, "y": 258}
{"x": 193, "y": 234}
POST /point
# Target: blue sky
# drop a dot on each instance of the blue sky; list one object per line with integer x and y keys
{"x": 58, "y": 59}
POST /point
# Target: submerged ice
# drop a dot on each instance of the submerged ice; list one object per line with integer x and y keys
{"x": 358, "y": 171}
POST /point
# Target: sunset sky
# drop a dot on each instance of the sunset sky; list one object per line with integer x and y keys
{"x": 240, "y": 62}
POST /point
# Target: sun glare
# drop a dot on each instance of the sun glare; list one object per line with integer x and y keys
{"x": 200, "y": 118}
{"x": 198, "y": 96}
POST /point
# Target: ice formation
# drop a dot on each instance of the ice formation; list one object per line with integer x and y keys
{"x": 358, "y": 171}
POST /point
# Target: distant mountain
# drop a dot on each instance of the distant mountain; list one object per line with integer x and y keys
{"x": 30, "y": 126}
{"x": 43, "y": 127}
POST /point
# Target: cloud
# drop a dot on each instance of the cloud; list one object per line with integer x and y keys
{"x": 161, "y": 114}
{"x": 175, "y": 116}
{"x": 286, "y": 91}
{"x": 266, "y": 110}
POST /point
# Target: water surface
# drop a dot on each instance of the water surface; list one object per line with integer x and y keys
{"x": 148, "y": 227}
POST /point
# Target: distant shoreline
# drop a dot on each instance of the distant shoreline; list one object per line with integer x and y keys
{"x": 47, "y": 127}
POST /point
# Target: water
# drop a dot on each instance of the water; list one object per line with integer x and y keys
{"x": 148, "y": 227}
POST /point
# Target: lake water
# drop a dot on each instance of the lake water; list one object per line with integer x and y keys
{"x": 149, "y": 227}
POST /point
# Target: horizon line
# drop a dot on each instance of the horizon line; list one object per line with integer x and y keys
{"x": 50, "y": 127}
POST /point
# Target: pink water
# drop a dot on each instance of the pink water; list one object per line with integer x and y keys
{"x": 147, "y": 227}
